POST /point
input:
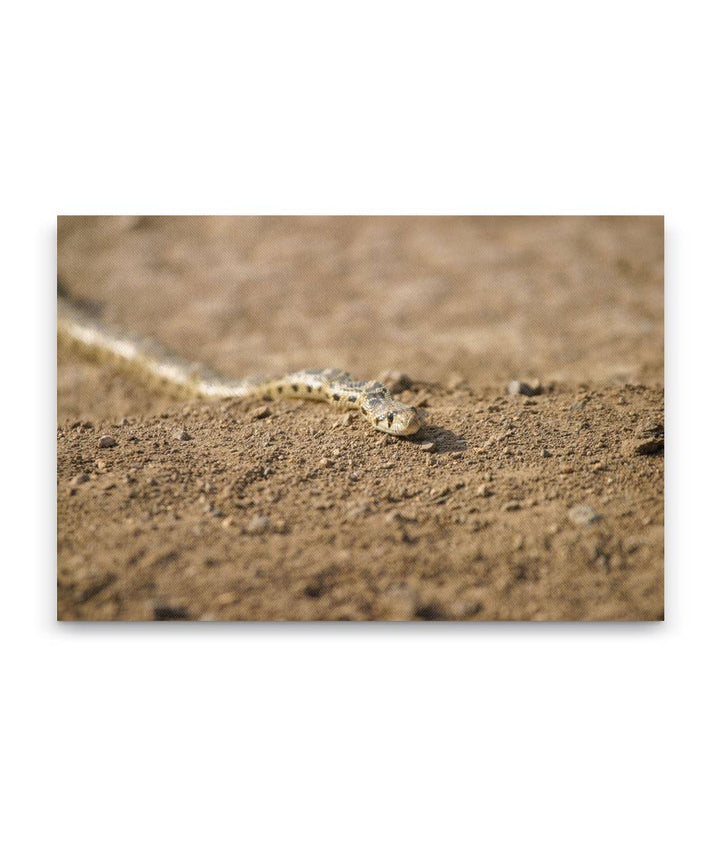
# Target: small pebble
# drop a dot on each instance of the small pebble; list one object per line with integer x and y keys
{"x": 427, "y": 447}
{"x": 169, "y": 612}
{"x": 181, "y": 434}
{"x": 484, "y": 490}
{"x": 583, "y": 515}
{"x": 511, "y": 506}
{"x": 260, "y": 412}
{"x": 649, "y": 440}
{"x": 519, "y": 387}
{"x": 107, "y": 442}
{"x": 258, "y": 524}
{"x": 395, "y": 381}
{"x": 81, "y": 478}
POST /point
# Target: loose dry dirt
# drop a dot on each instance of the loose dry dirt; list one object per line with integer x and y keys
{"x": 529, "y": 507}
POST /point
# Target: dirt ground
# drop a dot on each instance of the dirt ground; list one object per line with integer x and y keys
{"x": 536, "y": 507}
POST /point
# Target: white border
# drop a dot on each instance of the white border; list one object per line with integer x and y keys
{"x": 323, "y": 739}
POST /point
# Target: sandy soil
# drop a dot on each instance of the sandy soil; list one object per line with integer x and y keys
{"x": 547, "y": 506}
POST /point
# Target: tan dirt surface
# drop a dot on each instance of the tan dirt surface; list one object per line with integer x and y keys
{"x": 537, "y": 507}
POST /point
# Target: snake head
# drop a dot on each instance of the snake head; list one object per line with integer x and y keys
{"x": 401, "y": 420}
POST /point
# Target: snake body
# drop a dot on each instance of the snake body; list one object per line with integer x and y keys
{"x": 333, "y": 386}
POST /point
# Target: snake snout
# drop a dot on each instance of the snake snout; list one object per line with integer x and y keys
{"x": 406, "y": 421}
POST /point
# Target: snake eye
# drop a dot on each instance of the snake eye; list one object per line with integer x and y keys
{"x": 390, "y": 418}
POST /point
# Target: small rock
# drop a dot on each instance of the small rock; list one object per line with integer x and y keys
{"x": 395, "y": 381}
{"x": 167, "y": 612}
{"x": 81, "y": 478}
{"x": 316, "y": 587}
{"x": 227, "y": 523}
{"x": 107, "y": 442}
{"x": 325, "y": 462}
{"x": 520, "y": 387}
{"x": 583, "y": 515}
{"x": 511, "y": 506}
{"x": 260, "y": 412}
{"x": 545, "y": 454}
{"x": 484, "y": 490}
{"x": 432, "y": 610}
{"x": 649, "y": 440}
{"x": 181, "y": 434}
{"x": 427, "y": 447}
{"x": 258, "y": 524}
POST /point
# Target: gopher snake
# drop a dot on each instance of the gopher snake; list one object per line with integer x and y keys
{"x": 333, "y": 386}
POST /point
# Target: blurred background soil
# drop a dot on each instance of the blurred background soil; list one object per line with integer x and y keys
{"x": 509, "y": 506}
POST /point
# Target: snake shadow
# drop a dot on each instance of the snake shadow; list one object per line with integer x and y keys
{"x": 444, "y": 439}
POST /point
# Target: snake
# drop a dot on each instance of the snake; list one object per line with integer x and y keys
{"x": 336, "y": 387}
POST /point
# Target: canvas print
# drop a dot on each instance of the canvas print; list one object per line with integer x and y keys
{"x": 360, "y": 418}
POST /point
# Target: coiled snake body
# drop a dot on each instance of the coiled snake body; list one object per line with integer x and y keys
{"x": 333, "y": 386}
